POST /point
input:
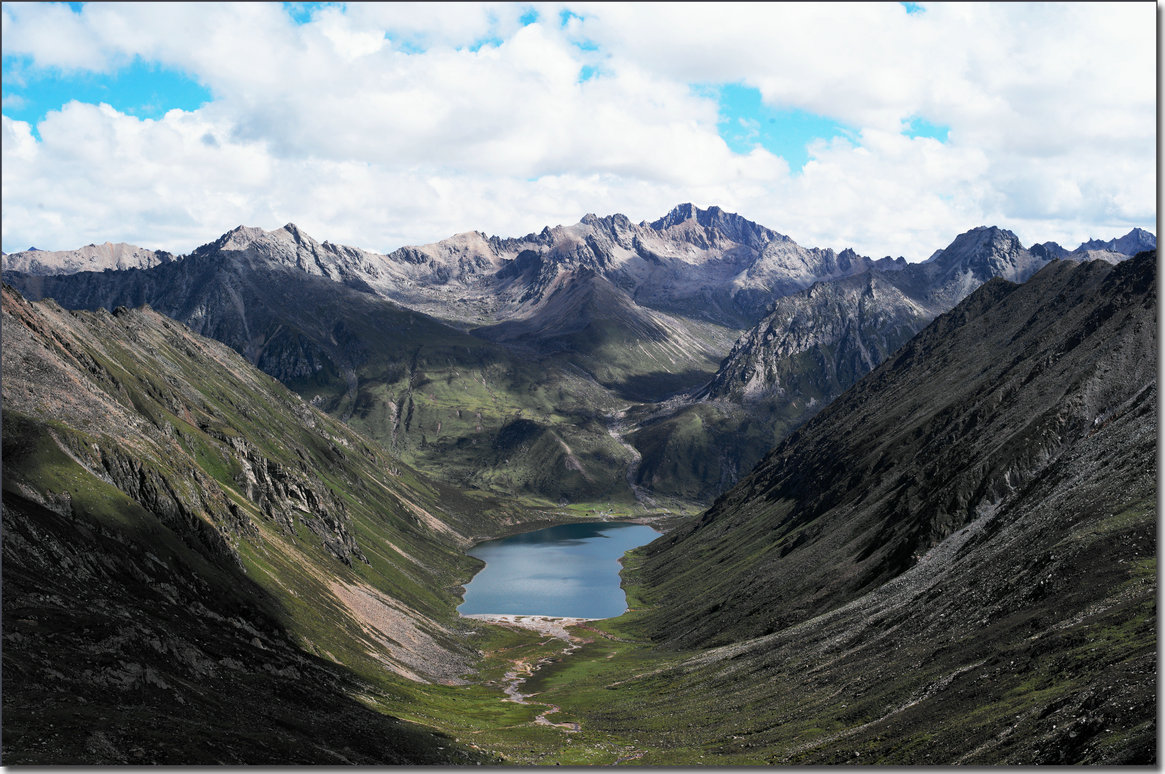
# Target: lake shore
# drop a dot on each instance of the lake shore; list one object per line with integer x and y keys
{"x": 549, "y": 625}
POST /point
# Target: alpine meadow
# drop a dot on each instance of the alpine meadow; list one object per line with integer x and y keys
{"x": 767, "y": 384}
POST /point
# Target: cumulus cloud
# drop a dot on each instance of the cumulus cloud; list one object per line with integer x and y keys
{"x": 387, "y": 124}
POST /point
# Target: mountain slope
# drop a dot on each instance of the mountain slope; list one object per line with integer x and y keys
{"x": 185, "y": 541}
{"x": 810, "y": 346}
{"x": 972, "y": 410}
{"x": 955, "y": 562}
{"x": 589, "y": 346}
{"x": 816, "y": 343}
{"x": 639, "y": 353}
{"x": 587, "y": 301}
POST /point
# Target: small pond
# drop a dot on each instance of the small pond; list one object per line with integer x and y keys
{"x": 571, "y": 571}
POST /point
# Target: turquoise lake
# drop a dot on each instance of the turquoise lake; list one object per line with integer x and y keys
{"x": 571, "y": 570}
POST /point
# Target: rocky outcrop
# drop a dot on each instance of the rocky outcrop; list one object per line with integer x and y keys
{"x": 812, "y": 345}
{"x": 286, "y": 496}
{"x": 180, "y": 511}
{"x": 816, "y": 343}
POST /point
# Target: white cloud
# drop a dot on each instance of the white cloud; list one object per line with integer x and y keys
{"x": 439, "y": 24}
{"x": 380, "y": 125}
{"x": 53, "y": 35}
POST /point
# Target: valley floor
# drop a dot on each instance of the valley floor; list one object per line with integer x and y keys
{"x": 848, "y": 687}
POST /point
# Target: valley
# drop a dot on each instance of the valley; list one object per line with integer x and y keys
{"x": 908, "y": 509}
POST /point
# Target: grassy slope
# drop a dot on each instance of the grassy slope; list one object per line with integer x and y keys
{"x": 124, "y": 644}
{"x": 527, "y": 421}
{"x": 1024, "y": 635}
{"x": 174, "y": 409}
{"x": 1049, "y": 655}
{"x": 1050, "y": 662}
{"x": 927, "y": 444}
{"x": 198, "y": 420}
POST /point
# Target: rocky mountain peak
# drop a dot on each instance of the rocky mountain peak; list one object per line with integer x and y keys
{"x": 1049, "y": 251}
{"x": 295, "y": 235}
{"x": 269, "y": 244}
{"x": 985, "y": 252}
{"x": 679, "y": 214}
{"x": 986, "y": 235}
{"x": 701, "y": 225}
{"x": 1134, "y": 242}
{"x": 847, "y": 258}
{"x": 611, "y": 223}
{"x": 238, "y": 238}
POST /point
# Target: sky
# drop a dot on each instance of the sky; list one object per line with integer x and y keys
{"x": 886, "y": 127}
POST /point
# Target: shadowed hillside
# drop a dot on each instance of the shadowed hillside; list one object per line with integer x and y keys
{"x": 955, "y": 562}
{"x": 201, "y": 568}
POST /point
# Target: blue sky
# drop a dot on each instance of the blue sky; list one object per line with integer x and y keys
{"x": 387, "y": 124}
{"x": 142, "y": 89}
{"x": 746, "y": 122}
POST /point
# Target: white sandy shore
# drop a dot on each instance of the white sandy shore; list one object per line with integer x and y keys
{"x": 543, "y": 624}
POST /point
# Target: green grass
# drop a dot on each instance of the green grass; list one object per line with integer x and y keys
{"x": 34, "y": 459}
{"x": 637, "y": 703}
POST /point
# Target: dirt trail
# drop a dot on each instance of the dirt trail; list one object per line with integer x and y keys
{"x": 523, "y": 669}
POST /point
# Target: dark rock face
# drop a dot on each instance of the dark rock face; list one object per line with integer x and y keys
{"x": 286, "y": 495}
{"x": 847, "y": 327}
{"x": 1049, "y": 251}
{"x": 850, "y": 325}
{"x": 156, "y": 493}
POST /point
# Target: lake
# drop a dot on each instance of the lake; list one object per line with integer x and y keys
{"x": 571, "y": 571}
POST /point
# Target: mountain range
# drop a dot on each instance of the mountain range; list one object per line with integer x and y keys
{"x": 240, "y": 485}
{"x": 613, "y": 374}
{"x": 103, "y": 257}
